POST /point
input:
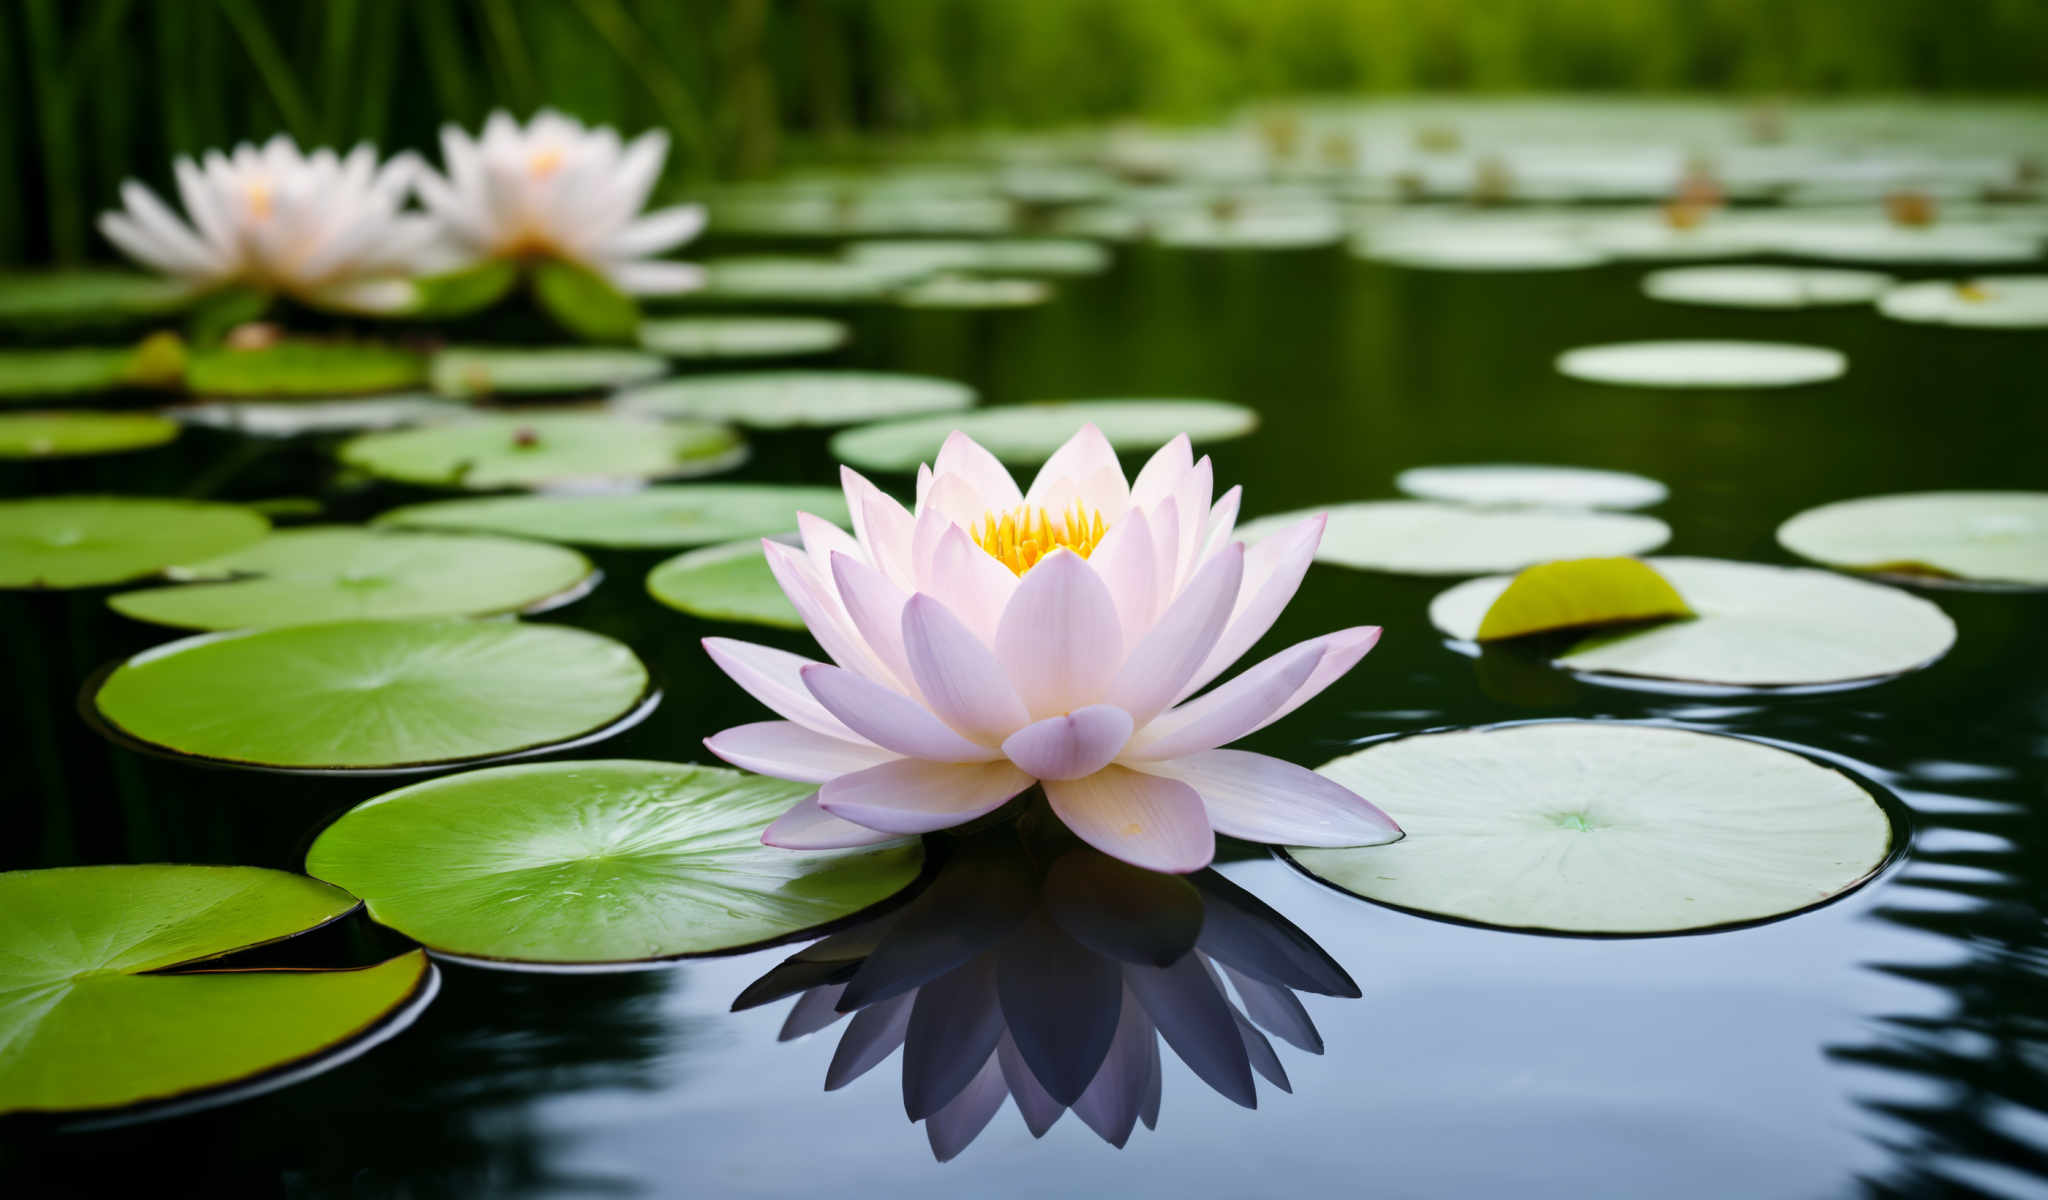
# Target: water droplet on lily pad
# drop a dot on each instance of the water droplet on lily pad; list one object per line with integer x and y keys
{"x": 1585, "y": 827}
{"x": 545, "y": 450}
{"x": 741, "y": 336}
{"x": 596, "y": 864}
{"x": 86, "y": 541}
{"x": 1993, "y": 302}
{"x": 731, "y": 582}
{"x": 1703, "y": 364}
{"x": 67, "y": 434}
{"x": 792, "y": 399}
{"x": 1930, "y": 537}
{"x": 688, "y": 514}
{"x": 1764, "y": 287}
{"x": 1421, "y": 537}
{"x": 1027, "y": 434}
{"x": 465, "y": 371}
{"x": 1516, "y": 484}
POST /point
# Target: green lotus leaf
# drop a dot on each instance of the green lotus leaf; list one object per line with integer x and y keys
{"x": 973, "y": 291}
{"x": 295, "y": 368}
{"x": 1764, "y": 287}
{"x": 1996, "y": 538}
{"x": 789, "y": 399}
{"x": 86, "y": 541}
{"x": 29, "y": 374}
{"x": 64, "y": 434}
{"x": 724, "y": 583}
{"x": 293, "y": 418}
{"x": 1421, "y": 537}
{"x": 1513, "y": 485}
{"x": 545, "y": 449}
{"x": 470, "y": 290}
{"x": 1027, "y": 434}
{"x": 1703, "y": 364}
{"x": 1995, "y": 302}
{"x": 465, "y": 371}
{"x": 89, "y": 297}
{"x": 584, "y": 303}
{"x": 686, "y": 514}
{"x": 741, "y": 336}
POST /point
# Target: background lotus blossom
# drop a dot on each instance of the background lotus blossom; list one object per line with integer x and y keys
{"x": 323, "y": 228}
{"x": 554, "y": 189}
{"x": 995, "y": 638}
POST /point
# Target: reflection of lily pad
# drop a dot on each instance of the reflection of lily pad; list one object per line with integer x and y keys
{"x": 595, "y": 862}
{"x": 1025, "y": 434}
{"x": 724, "y": 583}
{"x": 89, "y": 297}
{"x": 1599, "y": 828}
{"x": 1419, "y": 537}
{"x": 373, "y": 694}
{"x": 1994, "y": 302}
{"x": 304, "y": 369}
{"x": 338, "y": 573}
{"x": 689, "y": 514}
{"x": 91, "y": 1019}
{"x": 787, "y": 399}
{"x": 973, "y": 291}
{"x": 85, "y": 541}
{"x": 63, "y": 434}
{"x": 292, "y": 418}
{"x": 1756, "y": 626}
{"x": 1498, "y": 484}
{"x": 1764, "y": 287}
{"x": 463, "y": 371}
{"x": 545, "y": 450}
{"x": 741, "y": 337}
{"x": 1703, "y": 364}
{"x": 1977, "y": 537}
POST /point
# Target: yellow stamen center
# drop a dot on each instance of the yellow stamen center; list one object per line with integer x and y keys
{"x": 543, "y": 163}
{"x": 1019, "y": 538}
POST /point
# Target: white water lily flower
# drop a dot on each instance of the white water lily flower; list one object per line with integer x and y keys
{"x": 555, "y": 189}
{"x": 323, "y": 228}
{"x": 994, "y": 639}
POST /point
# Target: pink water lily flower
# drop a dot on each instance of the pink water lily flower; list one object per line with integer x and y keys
{"x": 992, "y": 639}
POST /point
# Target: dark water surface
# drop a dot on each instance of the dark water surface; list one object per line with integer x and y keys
{"x": 1894, "y": 1043}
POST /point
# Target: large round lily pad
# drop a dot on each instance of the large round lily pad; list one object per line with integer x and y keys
{"x": 539, "y": 450}
{"x": 339, "y": 573}
{"x": 686, "y": 514}
{"x": 86, "y": 541}
{"x": 1703, "y": 364}
{"x": 788, "y": 399}
{"x": 595, "y": 863}
{"x": 373, "y": 694}
{"x": 1966, "y": 537}
{"x": 1455, "y": 248}
{"x": 798, "y": 279}
{"x": 1764, "y": 287}
{"x": 65, "y": 371}
{"x": 293, "y": 418}
{"x": 106, "y": 1000}
{"x": 1754, "y": 626}
{"x": 975, "y": 292}
{"x": 89, "y": 297}
{"x": 1509, "y": 484}
{"x": 1994, "y": 302}
{"x": 1421, "y": 537}
{"x": 464, "y": 371}
{"x": 298, "y": 368}
{"x": 1026, "y": 434}
{"x": 1011, "y": 256}
{"x": 724, "y": 583}
{"x": 66, "y": 434}
{"x": 741, "y": 337}
{"x": 1585, "y": 827}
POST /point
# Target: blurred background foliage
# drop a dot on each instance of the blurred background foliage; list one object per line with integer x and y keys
{"x": 107, "y": 89}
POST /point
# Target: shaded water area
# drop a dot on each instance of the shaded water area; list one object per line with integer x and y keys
{"x": 1892, "y": 1043}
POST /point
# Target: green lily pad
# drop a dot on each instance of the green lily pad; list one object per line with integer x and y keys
{"x": 1764, "y": 287}
{"x": 724, "y": 583}
{"x": 304, "y": 369}
{"x": 595, "y": 863}
{"x": 790, "y": 399}
{"x": 1887, "y": 243}
{"x": 75, "y": 370}
{"x": 89, "y": 297}
{"x": 688, "y": 514}
{"x": 1585, "y": 827}
{"x": 741, "y": 337}
{"x": 295, "y": 418}
{"x": 1421, "y": 537}
{"x": 1026, "y": 434}
{"x": 338, "y": 573}
{"x": 972, "y": 292}
{"x": 1753, "y": 626}
{"x": 373, "y": 694}
{"x": 1456, "y": 248}
{"x": 469, "y": 290}
{"x": 585, "y": 303}
{"x": 106, "y": 1000}
{"x": 86, "y": 541}
{"x": 1250, "y": 229}
{"x": 799, "y": 279}
{"x": 464, "y": 371}
{"x": 1577, "y": 593}
{"x": 1998, "y": 538}
{"x": 1513, "y": 484}
{"x": 64, "y": 434}
{"x": 1703, "y": 364}
{"x": 551, "y": 449}
{"x": 1008, "y": 256}
{"x": 1994, "y": 302}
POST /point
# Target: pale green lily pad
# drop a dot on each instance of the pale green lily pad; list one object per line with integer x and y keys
{"x": 91, "y": 1019}
{"x": 86, "y": 541}
{"x": 70, "y": 371}
{"x": 1453, "y": 247}
{"x": 1964, "y": 537}
{"x": 1421, "y": 537}
{"x": 296, "y": 418}
{"x": 797, "y": 279}
{"x": 1993, "y": 302}
{"x": 688, "y": 514}
{"x": 724, "y": 583}
{"x": 1495, "y": 485}
{"x": 792, "y": 399}
{"x": 464, "y": 371}
{"x": 595, "y": 864}
{"x": 1583, "y": 827}
{"x": 1653, "y": 236}
{"x": 1703, "y": 364}
{"x": 545, "y": 449}
{"x": 1755, "y": 626}
{"x": 1253, "y": 228}
{"x": 66, "y": 434}
{"x": 973, "y": 291}
{"x": 1026, "y": 434}
{"x": 1005, "y": 256}
{"x": 373, "y": 694}
{"x": 293, "y": 368}
{"x": 89, "y": 297}
{"x": 338, "y": 573}
{"x": 1764, "y": 287}
{"x": 1875, "y": 243}
{"x": 741, "y": 337}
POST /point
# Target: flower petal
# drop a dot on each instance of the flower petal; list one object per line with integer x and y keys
{"x": 774, "y": 677}
{"x": 807, "y": 827}
{"x": 654, "y": 277}
{"x": 883, "y": 527}
{"x": 1085, "y": 464}
{"x": 1059, "y": 640}
{"x": 910, "y": 796}
{"x": 1273, "y": 569}
{"x": 656, "y": 233}
{"x": 1263, "y": 799}
{"x": 822, "y": 539}
{"x": 1191, "y": 500}
{"x": 875, "y": 606}
{"x": 1341, "y": 652}
{"x": 965, "y": 458}
{"x": 972, "y": 585}
{"x": 1072, "y": 744}
{"x": 957, "y": 674}
{"x": 1145, "y": 820}
{"x": 821, "y": 610}
{"x": 1162, "y": 472}
{"x": 1127, "y": 565}
{"x": 1169, "y": 655}
{"x": 1229, "y": 712}
{"x": 786, "y": 750}
{"x": 889, "y": 719}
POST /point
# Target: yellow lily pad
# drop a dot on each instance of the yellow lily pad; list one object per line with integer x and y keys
{"x": 1579, "y": 592}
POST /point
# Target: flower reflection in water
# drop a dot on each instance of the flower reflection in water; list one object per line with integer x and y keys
{"x": 1035, "y": 967}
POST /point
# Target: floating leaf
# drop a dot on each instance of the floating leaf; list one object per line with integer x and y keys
{"x": 1011, "y": 256}
{"x": 593, "y": 863}
{"x": 58, "y": 299}
{"x": 470, "y": 290}
{"x": 1251, "y": 228}
{"x": 724, "y": 583}
{"x": 741, "y": 337}
{"x": 970, "y": 291}
{"x": 553, "y": 449}
{"x": 1703, "y": 364}
{"x": 1579, "y": 592}
{"x": 1975, "y": 537}
{"x": 86, "y": 541}
{"x": 1454, "y": 248}
{"x": 1889, "y": 243}
{"x": 1513, "y": 484}
{"x": 1420, "y": 537}
{"x": 584, "y": 302}
{"x": 1994, "y": 302}
{"x": 293, "y": 368}
{"x": 338, "y": 573}
{"x": 219, "y": 312}
{"x": 466, "y": 371}
{"x": 689, "y": 514}
{"x": 107, "y": 1002}
{"x": 1764, "y": 287}
{"x": 789, "y": 399}
{"x": 797, "y": 279}
{"x": 373, "y": 694}
{"x": 293, "y": 418}
{"x": 64, "y": 434}
{"x": 1583, "y": 827}
{"x": 1026, "y": 434}
{"x": 71, "y": 371}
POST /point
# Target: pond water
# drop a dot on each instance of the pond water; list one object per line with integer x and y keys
{"x": 1894, "y": 1042}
